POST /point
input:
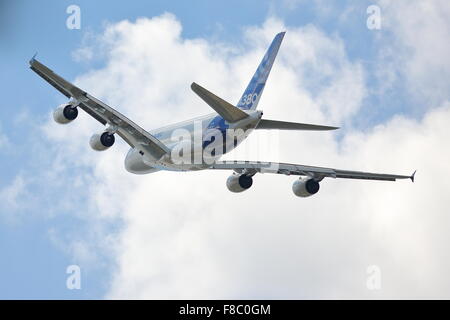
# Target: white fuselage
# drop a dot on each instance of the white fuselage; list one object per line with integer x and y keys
{"x": 194, "y": 144}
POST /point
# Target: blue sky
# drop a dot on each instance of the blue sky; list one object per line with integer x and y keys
{"x": 33, "y": 263}
{"x": 32, "y": 267}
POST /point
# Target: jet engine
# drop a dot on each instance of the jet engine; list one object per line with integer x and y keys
{"x": 239, "y": 182}
{"x": 103, "y": 141}
{"x": 65, "y": 113}
{"x": 305, "y": 187}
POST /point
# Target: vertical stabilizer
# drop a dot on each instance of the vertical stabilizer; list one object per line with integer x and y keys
{"x": 252, "y": 94}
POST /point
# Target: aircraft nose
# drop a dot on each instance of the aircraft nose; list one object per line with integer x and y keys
{"x": 135, "y": 164}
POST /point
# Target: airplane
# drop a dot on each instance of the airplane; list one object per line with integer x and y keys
{"x": 217, "y": 133}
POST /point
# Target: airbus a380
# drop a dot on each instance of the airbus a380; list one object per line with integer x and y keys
{"x": 221, "y": 132}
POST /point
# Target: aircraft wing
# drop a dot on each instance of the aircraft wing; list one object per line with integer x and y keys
{"x": 133, "y": 134}
{"x": 253, "y": 167}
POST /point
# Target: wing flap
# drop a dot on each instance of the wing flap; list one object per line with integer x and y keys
{"x": 62, "y": 85}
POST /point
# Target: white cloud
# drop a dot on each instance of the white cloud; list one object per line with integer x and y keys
{"x": 186, "y": 236}
{"x": 196, "y": 240}
{"x": 83, "y": 54}
{"x": 11, "y": 197}
{"x": 415, "y": 34}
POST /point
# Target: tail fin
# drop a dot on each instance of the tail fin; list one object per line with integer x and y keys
{"x": 250, "y": 98}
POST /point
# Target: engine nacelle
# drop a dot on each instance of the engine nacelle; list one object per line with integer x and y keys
{"x": 65, "y": 113}
{"x": 305, "y": 187}
{"x": 103, "y": 141}
{"x": 239, "y": 182}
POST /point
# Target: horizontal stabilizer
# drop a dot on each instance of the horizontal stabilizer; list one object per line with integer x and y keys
{"x": 283, "y": 125}
{"x": 226, "y": 110}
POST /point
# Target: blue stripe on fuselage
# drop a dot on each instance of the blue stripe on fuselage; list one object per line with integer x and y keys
{"x": 217, "y": 123}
